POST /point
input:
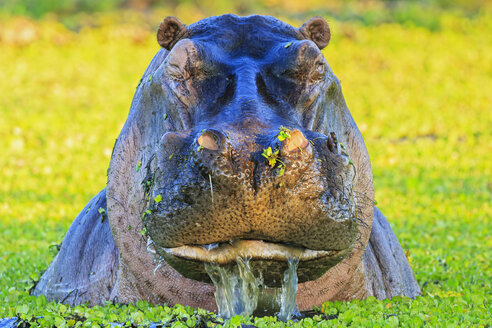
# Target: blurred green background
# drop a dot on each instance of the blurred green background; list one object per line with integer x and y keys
{"x": 419, "y": 13}
{"x": 417, "y": 77}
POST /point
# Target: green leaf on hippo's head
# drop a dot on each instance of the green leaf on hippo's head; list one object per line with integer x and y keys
{"x": 287, "y": 45}
{"x": 158, "y": 198}
{"x": 271, "y": 156}
{"x": 102, "y": 211}
{"x": 139, "y": 165}
{"x": 147, "y": 212}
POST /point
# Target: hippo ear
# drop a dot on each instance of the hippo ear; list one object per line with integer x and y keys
{"x": 317, "y": 30}
{"x": 170, "y": 31}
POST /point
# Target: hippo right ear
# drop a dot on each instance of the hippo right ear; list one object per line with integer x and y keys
{"x": 317, "y": 30}
{"x": 170, "y": 31}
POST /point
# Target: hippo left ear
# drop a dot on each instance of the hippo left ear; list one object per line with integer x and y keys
{"x": 317, "y": 30}
{"x": 170, "y": 31}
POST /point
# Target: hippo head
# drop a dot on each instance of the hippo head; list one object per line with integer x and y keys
{"x": 239, "y": 144}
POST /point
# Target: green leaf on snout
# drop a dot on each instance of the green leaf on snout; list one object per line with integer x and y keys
{"x": 144, "y": 214}
{"x": 158, "y": 198}
{"x": 284, "y": 133}
{"x": 271, "y": 156}
{"x": 282, "y": 136}
{"x": 281, "y": 170}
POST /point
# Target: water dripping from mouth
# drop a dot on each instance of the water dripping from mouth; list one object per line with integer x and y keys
{"x": 288, "y": 304}
{"x": 238, "y": 291}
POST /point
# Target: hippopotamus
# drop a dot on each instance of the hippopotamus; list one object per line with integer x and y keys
{"x": 238, "y": 144}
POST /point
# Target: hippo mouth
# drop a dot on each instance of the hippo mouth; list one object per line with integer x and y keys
{"x": 266, "y": 259}
{"x": 224, "y": 202}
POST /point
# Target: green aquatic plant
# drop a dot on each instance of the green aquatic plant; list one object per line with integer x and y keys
{"x": 271, "y": 156}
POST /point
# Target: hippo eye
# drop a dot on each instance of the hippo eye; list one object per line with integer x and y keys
{"x": 319, "y": 72}
{"x": 312, "y": 74}
{"x": 176, "y": 74}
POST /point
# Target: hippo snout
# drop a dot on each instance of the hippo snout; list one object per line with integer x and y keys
{"x": 252, "y": 158}
{"x": 280, "y": 186}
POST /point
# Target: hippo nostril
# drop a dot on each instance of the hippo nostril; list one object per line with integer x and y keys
{"x": 330, "y": 144}
{"x": 297, "y": 141}
{"x": 209, "y": 140}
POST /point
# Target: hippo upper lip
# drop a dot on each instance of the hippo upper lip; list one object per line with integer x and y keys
{"x": 225, "y": 253}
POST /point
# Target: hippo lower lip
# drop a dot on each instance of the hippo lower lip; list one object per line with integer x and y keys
{"x": 266, "y": 259}
{"x": 223, "y": 254}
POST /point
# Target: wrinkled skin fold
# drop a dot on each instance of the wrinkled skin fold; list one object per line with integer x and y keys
{"x": 239, "y": 143}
